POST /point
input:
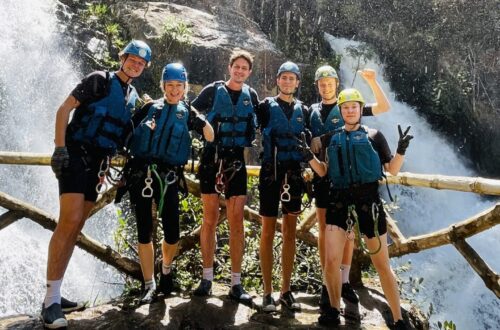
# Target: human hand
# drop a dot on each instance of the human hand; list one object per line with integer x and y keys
{"x": 404, "y": 140}
{"x": 316, "y": 145}
{"x": 368, "y": 74}
{"x": 59, "y": 160}
{"x": 306, "y": 152}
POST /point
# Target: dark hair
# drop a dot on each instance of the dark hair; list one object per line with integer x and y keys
{"x": 240, "y": 53}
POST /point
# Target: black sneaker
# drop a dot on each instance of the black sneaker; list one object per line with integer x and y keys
{"x": 239, "y": 294}
{"x": 330, "y": 317}
{"x": 166, "y": 283}
{"x": 287, "y": 300}
{"x": 204, "y": 289}
{"x": 324, "y": 300}
{"x": 148, "y": 296}
{"x": 399, "y": 325}
{"x": 349, "y": 294}
{"x": 268, "y": 304}
{"x": 53, "y": 317}
{"x": 71, "y": 306}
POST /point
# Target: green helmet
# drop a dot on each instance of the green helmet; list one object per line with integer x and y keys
{"x": 350, "y": 95}
{"x": 325, "y": 71}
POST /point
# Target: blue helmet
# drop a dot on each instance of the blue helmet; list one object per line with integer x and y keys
{"x": 174, "y": 71}
{"x": 289, "y": 67}
{"x": 138, "y": 48}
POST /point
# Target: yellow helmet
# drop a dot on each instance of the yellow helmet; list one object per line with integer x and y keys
{"x": 350, "y": 95}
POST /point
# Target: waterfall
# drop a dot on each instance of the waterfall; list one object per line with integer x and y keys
{"x": 455, "y": 291}
{"x": 36, "y": 75}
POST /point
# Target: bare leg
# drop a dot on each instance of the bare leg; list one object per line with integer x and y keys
{"x": 288, "y": 229}
{"x": 266, "y": 252}
{"x": 235, "y": 207}
{"x": 168, "y": 252}
{"x": 208, "y": 227}
{"x": 334, "y": 245}
{"x": 387, "y": 278}
{"x": 72, "y": 215}
{"x": 147, "y": 260}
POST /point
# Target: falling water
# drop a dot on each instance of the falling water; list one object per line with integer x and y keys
{"x": 36, "y": 75}
{"x": 455, "y": 291}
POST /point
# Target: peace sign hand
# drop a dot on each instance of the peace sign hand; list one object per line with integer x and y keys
{"x": 404, "y": 140}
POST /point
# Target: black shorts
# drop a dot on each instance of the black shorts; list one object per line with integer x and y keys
{"x": 270, "y": 190}
{"x": 142, "y": 206}
{"x": 336, "y": 213}
{"x": 81, "y": 174}
{"x": 234, "y": 172}
{"x": 321, "y": 191}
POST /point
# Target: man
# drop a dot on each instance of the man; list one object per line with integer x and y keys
{"x": 283, "y": 121}
{"x": 325, "y": 118}
{"x": 354, "y": 157}
{"x": 103, "y": 102}
{"x": 230, "y": 108}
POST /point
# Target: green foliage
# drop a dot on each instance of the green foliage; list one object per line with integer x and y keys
{"x": 176, "y": 34}
{"x": 100, "y": 17}
{"x": 447, "y": 325}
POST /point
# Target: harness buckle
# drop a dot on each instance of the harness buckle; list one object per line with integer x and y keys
{"x": 147, "y": 191}
{"x": 285, "y": 195}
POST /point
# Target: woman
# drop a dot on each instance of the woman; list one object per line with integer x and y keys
{"x": 159, "y": 149}
{"x": 355, "y": 156}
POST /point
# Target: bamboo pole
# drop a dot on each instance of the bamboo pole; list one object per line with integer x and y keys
{"x": 489, "y": 277}
{"x": 467, "y": 184}
{"x": 98, "y": 250}
{"x": 8, "y": 218}
{"x": 461, "y": 230}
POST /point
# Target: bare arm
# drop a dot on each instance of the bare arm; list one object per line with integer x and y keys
{"x": 62, "y": 119}
{"x": 208, "y": 132}
{"x": 395, "y": 164}
{"x": 319, "y": 167}
{"x": 381, "y": 102}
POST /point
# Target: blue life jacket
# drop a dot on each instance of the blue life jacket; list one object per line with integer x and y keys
{"x": 169, "y": 142}
{"x": 234, "y": 125}
{"x": 282, "y": 133}
{"x": 102, "y": 123}
{"x": 333, "y": 120}
{"x": 352, "y": 159}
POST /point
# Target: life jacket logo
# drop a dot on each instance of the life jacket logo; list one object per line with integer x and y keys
{"x": 246, "y": 102}
{"x": 299, "y": 119}
{"x": 358, "y": 137}
{"x": 179, "y": 115}
{"x": 335, "y": 120}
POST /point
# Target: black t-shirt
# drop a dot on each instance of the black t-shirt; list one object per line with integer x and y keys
{"x": 325, "y": 109}
{"x": 205, "y": 100}
{"x": 94, "y": 87}
{"x": 377, "y": 139}
{"x": 263, "y": 114}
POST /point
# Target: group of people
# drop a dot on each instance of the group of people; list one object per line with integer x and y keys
{"x": 348, "y": 160}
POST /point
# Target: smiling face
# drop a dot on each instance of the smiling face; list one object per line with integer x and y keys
{"x": 351, "y": 112}
{"x": 288, "y": 83}
{"x": 239, "y": 71}
{"x": 327, "y": 88}
{"x": 174, "y": 91}
{"x": 133, "y": 65}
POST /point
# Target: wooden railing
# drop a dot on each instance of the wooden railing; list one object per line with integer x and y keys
{"x": 454, "y": 234}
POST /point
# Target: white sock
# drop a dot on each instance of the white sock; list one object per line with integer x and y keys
{"x": 53, "y": 293}
{"x": 345, "y": 273}
{"x": 235, "y": 278}
{"x": 151, "y": 284}
{"x": 208, "y": 274}
{"x": 165, "y": 269}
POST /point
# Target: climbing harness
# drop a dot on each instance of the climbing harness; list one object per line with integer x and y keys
{"x": 285, "y": 195}
{"x": 349, "y": 233}
{"x": 221, "y": 179}
{"x": 102, "y": 185}
{"x": 147, "y": 191}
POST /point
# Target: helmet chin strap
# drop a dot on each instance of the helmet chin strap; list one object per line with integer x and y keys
{"x": 129, "y": 78}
